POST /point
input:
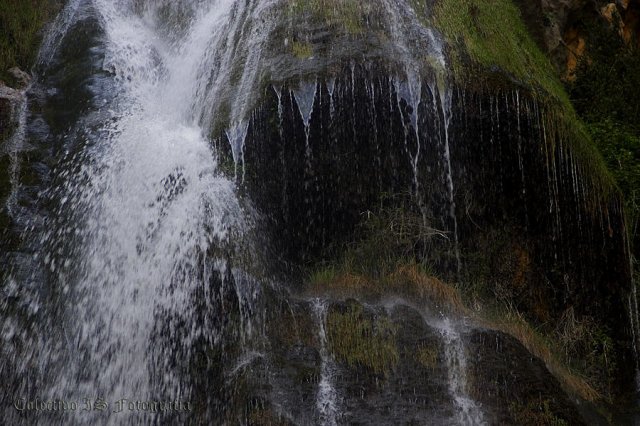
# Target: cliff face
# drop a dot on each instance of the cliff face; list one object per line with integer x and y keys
{"x": 515, "y": 202}
{"x": 12, "y": 112}
{"x": 563, "y": 28}
{"x": 436, "y": 235}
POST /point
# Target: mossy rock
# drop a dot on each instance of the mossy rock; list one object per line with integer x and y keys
{"x": 362, "y": 339}
{"x": 22, "y": 24}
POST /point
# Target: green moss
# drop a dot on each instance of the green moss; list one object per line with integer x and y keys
{"x": 20, "y": 25}
{"x": 488, "y": 37}
{"x": 380, "y": 265}
{"x": 427, "y": 357}
{"x": 302, "y": 50}
{"x": 492, "y": 34}
{"x": 359, "y": 340}
{"x": 323, "y": 274}
{"x": 387, "y": 258}
{"x": 347, "y": 14}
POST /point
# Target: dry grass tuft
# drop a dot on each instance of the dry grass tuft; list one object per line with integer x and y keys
{"x": 412, "y": 283}
{"x": 408, "y": 281}
{"x": 513, "y": 324}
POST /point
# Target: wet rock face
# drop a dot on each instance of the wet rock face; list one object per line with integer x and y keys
{"x": 559, "y": 26}
{"x": 492, "y": 170}
{"x": 22, "y": 78}
{"x": 550, "y": 22}
{"x": 302, "y": 379}
{"x": 512, "y": 385}
{"x": 9, "y": 102}
{"x": 485, "y": 166}
{"x": 7, "y": 96}
{"x": 413, "y": 390}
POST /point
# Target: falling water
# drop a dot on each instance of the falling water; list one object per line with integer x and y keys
{"x": 14, "y": 146}
{"x": 144, "y": 204}
{"x": 58, "y": 30}
{"x": 327, "y": 396}
{"x": 236, "y": 136}
{"x": 445, "y": 102}
{"x": 305, "y": 98}
{"x": 331, "y": 87}
{"x": 146, "y": 231}
{"x": 468, "y": 412}
{"x": 634, "y": 316}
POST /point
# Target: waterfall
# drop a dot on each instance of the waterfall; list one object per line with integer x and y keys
{"x": 166, "y": 227}
{"x": 56, "y": 33}
{"x": 143, "y": 217}
{"x": 151, "y": 200}
{"x": 466, "y": 411}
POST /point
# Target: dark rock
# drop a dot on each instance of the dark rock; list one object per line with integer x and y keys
{"x": 409, "y": 394}
{"x": 514, "y": 181}
{"x": 22, "y": 78}
{"x": 511, "y": 383}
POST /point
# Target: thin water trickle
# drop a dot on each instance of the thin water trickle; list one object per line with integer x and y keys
{"x": 445, "y": 96}
{"x": 468, "y": 412}
{"x": 305, "y": 97}
{"x": 634, "y": 316}
{"x": 57, "y": 32}
{"x": 331, "y": 88}
{"x": 236, "y": 135}
{"x": 14, "y": 146}
{"x": 327, "y": 395}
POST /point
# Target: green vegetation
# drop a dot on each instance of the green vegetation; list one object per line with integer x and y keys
{"x": 394, "y": 234}
{"x": 359, "y": 340}
{"x": 409, "y": 281}
{"x": 347, "y": 14}
{"x": 387, "y": 257}
{"x": 492, "y": 34}
{"x": 21, "y": 22}
{"x": 488, "y": 37}
{"x": 548, "y": 346}
{"x": 427, "y": 357}
{"x": 384, "y": 261}
{"x": 606, "y": 92}
{"x": 302, "y": 50}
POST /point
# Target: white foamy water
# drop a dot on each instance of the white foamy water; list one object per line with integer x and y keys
{"x": 147, "y": 203}
{"x": 327, "y": 395}
{"x": 144, "y": 213}
{"x": 468, "y": 412}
